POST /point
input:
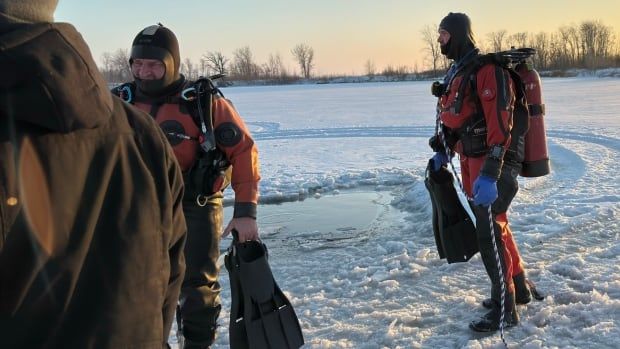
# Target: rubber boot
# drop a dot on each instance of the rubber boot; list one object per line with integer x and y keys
{"x": 522, "y": 292}
{"x": 491, "y": 320}
{"x": 522, "y": 289}
{"x": 200, "y": 328}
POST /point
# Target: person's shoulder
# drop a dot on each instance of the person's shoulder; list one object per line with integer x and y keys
{"x": 223, "y": 102}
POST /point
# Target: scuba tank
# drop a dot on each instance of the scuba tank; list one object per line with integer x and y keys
{"x": 536, "y": 160}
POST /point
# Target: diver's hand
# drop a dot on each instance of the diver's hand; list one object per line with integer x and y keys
{"x": 246, "y": 226}
{"x": 485, "y": 191}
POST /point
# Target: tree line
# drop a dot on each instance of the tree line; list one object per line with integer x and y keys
{"x": 241, "y": 66}
{"x": 590, "y": 45}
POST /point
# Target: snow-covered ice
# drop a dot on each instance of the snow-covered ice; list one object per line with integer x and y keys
{"x": 375, "y": 280}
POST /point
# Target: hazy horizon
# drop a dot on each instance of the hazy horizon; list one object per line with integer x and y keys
{"x": 344, "y": 34}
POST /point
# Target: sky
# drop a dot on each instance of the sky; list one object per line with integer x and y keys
{"x": 344, "y": 34}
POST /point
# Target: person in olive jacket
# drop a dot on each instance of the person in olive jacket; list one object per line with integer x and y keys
{"x": 91, "y": 226}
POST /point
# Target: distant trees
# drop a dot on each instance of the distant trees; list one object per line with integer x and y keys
{"x": 274, "y": 68}
{"x": 190, "y": 70}
{"x": 431, "y": 46}
{"x": 596, "y": 43}
{"x": 590, "y": 44}
{"x": 369, "y": 68}
{"x": 243, "y": 66}
{"x": 517, "y": 39}
{"x": 398, "y": 72}
{"x": 115, "y": 67}
{"x": 216, "y": 61}
{"x": 496, "y": 40}
{"x": 304, "y": 55}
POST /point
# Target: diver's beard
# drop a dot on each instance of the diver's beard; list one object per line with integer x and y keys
{"x": 445, "y": 48}
{"x": 165, "y": 86}
{"x": 151, "y": 87}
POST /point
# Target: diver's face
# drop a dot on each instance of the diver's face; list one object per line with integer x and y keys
{"x": 443, "y": 39}
{"x": 148, "y": 69}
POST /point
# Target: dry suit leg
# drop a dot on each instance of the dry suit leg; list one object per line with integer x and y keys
{"x": 489, "y": 256}
{"x": 516, "y": 264}
{"x": 507, "y": 188}
{"x": 200, "y": 302}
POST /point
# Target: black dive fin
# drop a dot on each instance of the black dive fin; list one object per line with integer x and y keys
{"x": 265, "y": 319}
{"x": 236, "y": 329}
{"x": 455, "y": 233}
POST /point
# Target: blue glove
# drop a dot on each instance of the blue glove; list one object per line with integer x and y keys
{"x": 439, "y": 159}
{"x": 485, "y": 190}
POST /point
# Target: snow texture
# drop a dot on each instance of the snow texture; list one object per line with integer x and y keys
{"x": 379, "y": 283}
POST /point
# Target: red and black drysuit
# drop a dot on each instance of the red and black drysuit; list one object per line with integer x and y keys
{"x": 492, "y": 101}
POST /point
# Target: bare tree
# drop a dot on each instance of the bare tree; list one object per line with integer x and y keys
{"x": 588, "y": 32}
{"x": 216, "y": 61}
{"x": 496, "y": 39}
{"x": 369, "y": 67}
{"x": 429, "y": 37}
{"x": 570, "y": 40}
{"x": 304, "y": 55}
{"x": 204, "y": 67}
{"x": 540, "y": 42}
{"x": 558, "y": 57}
{"x": 116, "y": 66}
{"x": 189, "y": 69}
{"x": 274, "y": 67}
{"x": 604, "y": 42}
{"x": 243, "y": 65}
{"x": 616, "y": 53}
{"x": 518, "y": 40}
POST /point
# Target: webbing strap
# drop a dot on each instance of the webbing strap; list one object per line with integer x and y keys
{"x": 536, "y": 109}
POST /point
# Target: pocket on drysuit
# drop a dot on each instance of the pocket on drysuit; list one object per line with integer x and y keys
{"x": 473, "y": 137}
{"x": 211, "y": 173}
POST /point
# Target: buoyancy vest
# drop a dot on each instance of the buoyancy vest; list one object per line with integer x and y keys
{"x": 472, "y": 133}
{"x": 182, "y": 132}
{"x": 206, "y": 169}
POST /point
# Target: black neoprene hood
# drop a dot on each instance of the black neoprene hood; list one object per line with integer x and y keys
{"x": 157, "y": 42}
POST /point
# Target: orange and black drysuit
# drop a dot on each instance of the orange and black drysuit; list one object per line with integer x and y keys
{"x": 199, "y": 302}
{"x": 232, "y": 137}
{"x": 476, "y": 112}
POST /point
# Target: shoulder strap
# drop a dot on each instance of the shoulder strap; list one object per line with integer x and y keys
{"x": 198, "y": 97}
{"x": 468, "y": 77}
{"x": 500, "y": 59}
